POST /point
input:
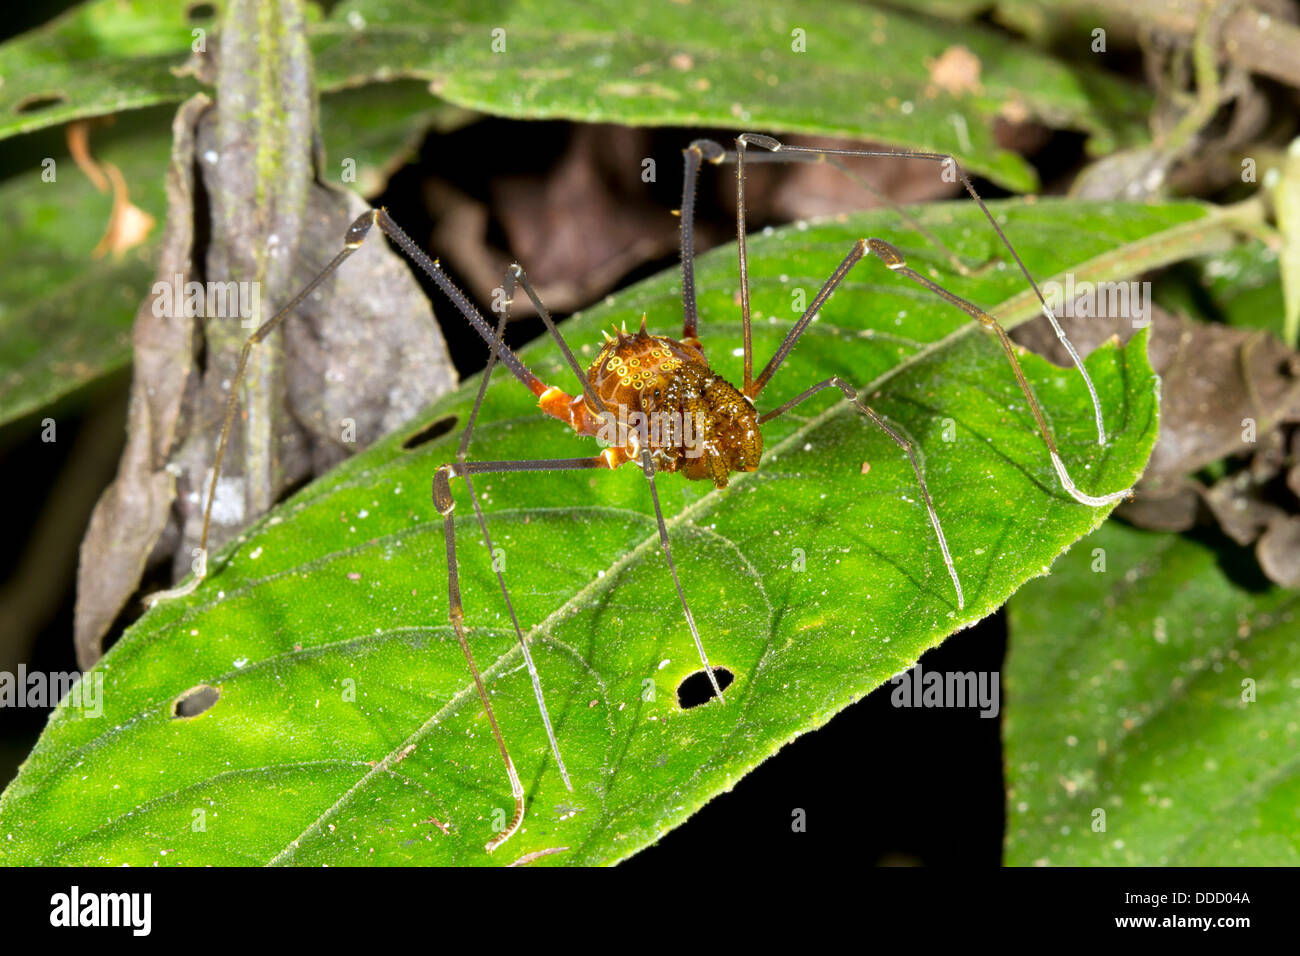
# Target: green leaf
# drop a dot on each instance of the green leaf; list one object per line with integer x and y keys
{"x": 1135, "y": 703}
{"x": 97, "y": 58}
{"x": 1239, "y": 286}
{"x": 65, "y": 317}
{"x": 346, "y": 718}
{"x": 379, "y": 126}
{"x": 691, "y": 64}
{"x": 733, "y": 65}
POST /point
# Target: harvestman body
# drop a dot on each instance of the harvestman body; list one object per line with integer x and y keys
{"x": 650, "y": 375}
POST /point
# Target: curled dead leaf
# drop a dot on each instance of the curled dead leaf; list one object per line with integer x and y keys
{"x": 128, "y": 224}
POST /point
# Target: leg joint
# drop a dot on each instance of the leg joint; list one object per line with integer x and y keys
{"x": 887, "y": 253}
{"x": 442, "y": 498}
{"x": 759, "y": 140}
{"x": 708, "y": 149}
{"x": 360, "y": 228}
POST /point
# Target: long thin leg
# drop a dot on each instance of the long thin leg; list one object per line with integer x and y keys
{"x": 446, "y": 505}
{"x": 747, "y": 337}
{"x": 717, "y": 155}
{"x": 894, "y": 260}
{"x": 714, "y": 153}
{"x": 352, "y": 240}
{"x": 707, "y": 150}
{"x": 850, "y": 394}
{"x": 461, "y": 454}
{"x": 788, "y": 343}
{"x": 351, "y": 244}
{"x": 647, "y": 468}
{"x": 701, "y": 149}
{"x": 465, "y": 469}
{"x": 777, "y": 147}
{"x": 891, "y": 257}
{"x": 517, "y": 271}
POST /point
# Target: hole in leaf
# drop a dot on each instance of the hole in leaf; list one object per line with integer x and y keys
{"x": 41, "y": 101}
{"x": 429, "y": 432}
{"x": 696, "y": 689}
{"x": 195, "y": 701}
{"x": 200, "y": 11}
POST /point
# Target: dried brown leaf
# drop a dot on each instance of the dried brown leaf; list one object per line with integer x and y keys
{"x": 355, "y": 360}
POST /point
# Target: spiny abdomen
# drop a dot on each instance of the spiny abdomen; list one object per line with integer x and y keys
{"x": 632, "y": 372}
{"x": 693, "y": 420}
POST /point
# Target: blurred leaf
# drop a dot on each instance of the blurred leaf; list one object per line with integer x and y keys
{"x": 65, "y": 317}
{"x": 379, "y": 126}
{"x": 1239, "y": 286}
{"x": 944, "y": 9}
{"x": 1133, "y": 702}
{"x": 346, "y": 723}
{"x": 1286, "y": 204}
{"x": 98, "y": 58}
{"x": 688, "y": 64}
{"x": 732, "y": 65}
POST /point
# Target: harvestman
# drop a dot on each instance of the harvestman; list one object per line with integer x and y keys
{"x": 658, "y": 376}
